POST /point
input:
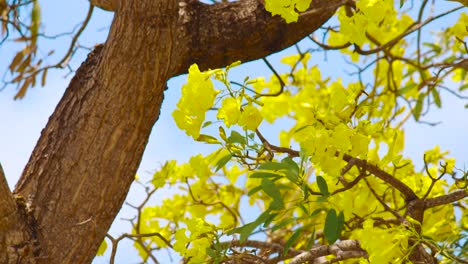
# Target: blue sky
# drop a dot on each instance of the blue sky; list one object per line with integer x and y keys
{"x": 21, "y": 121}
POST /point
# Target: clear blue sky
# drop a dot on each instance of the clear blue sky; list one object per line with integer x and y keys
{"x": 21, "y": 121}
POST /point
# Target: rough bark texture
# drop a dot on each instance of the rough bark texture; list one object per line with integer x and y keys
{"x": 17, "y": 239}
{"x": 86, "y": 158}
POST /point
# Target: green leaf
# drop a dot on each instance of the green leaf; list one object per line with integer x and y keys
{"x": 247, "y": 229}
{"x": 263, "y": 217}
{"x": 208, "y": 139}
{"x": 322, "y": 184}
{"x": 419, "y": 106}
{"x": 263, "y": 175}
{"x": 407, "y": 88}
{"x": 283, "y": 224}
{"x": 450, "y": 59}
{"x": 322, "y": 199}
{"x": 254, "y": 190}
{"x": 211, "y": 252}
{"x": 436, "y": 96}
{"x": 272, "y": 166}
{"x": 235, "y": 137}
{"x": 311, "y": 241}
{"x": 217, "y": 245}
{"x": 102, "y": 248}
{"x": 222, "y": 133}
{"x": 341, "y": 221}
{"x": 223, "y": 161}
{"x": 290, "y": 164}
{"x": 244, "y": 230}
{"x": 316, "y": 212}
{"x": 292, "y": 172}
{"x": 272, "y": 190}
{"x": 207, "y": 123}
{"x": 269, "y": 220}
{"x": 463, "y": 87}
{"x": 291, "y": 241}
{"x": 305, "y": 190}
{"x": 436, "y": 48}
{"x": 276, "y": 204}
{"x": 333, "y": 226}
{"x": 303, "y": 208}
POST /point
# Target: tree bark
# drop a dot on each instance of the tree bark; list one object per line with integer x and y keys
{"x": 85, "y": 160}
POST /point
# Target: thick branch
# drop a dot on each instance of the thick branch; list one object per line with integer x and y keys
{"x": 86, "y": 158}
{"x": 223, "y": 33}
{"x": 15, "y": 239}
{"x": 7, "y": 203}
{"x": 445, "y": 199}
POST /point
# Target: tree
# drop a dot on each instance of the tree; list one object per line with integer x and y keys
{"x": 87, "y": 156}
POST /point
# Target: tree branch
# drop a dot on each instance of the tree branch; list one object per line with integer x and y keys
{"x": 274, "y": 247}
{"x": 222, "y": 33}
{"x": 389, "y": 179}
{"x": 7, "y": 211}
{"x": 342, "y": 250}
{"x": 445, "y": 199}
{"x": 394, "y": 182}
{"x": 15, "y": 240}
{"x": 7, "y": 203}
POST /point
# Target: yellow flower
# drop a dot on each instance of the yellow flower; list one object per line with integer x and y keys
{"x": 250, "y": 118}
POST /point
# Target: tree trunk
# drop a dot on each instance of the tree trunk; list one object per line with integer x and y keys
{"x": 85, "y": 160}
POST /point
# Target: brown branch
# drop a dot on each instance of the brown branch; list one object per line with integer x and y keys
{"x": 16, "y": 241}
{"x": 445, "y": 199}
{"x": 345, "y": 249}
{"x": 270, "y": 147}
{"x": 7, "y": 208}
{"x": 349, "y": 185}
{"x": 394, "y": 182}
{"x": 274, "y": 247}
{"x": 248, "y": 32}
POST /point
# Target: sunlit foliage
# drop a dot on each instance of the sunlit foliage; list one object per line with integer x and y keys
{"x": 337, "y": 175}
